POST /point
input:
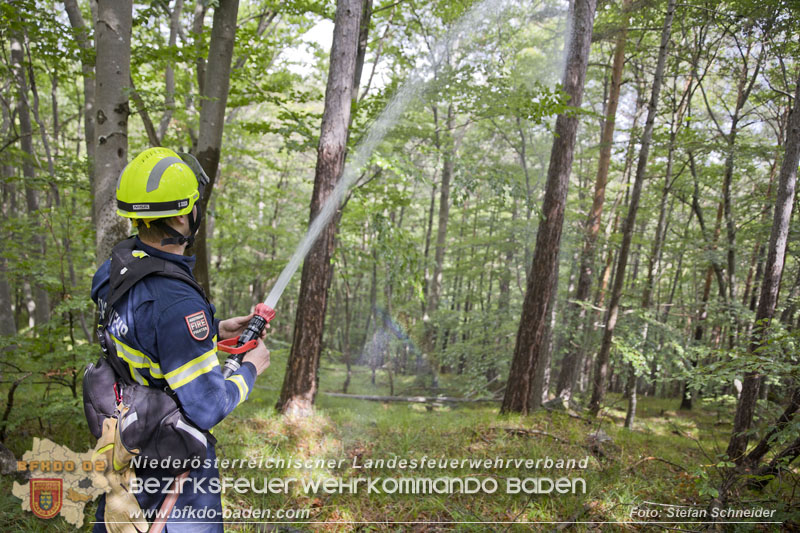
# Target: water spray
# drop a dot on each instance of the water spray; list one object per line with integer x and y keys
{"x": 480, "y": 15}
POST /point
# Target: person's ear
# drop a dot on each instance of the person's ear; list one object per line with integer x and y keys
{"x": 178, "y": 221}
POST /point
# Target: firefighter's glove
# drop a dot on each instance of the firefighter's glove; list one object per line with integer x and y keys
{"x": 122, "y": 512}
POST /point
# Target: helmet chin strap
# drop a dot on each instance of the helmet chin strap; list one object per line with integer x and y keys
{"x": 178, "y": 237}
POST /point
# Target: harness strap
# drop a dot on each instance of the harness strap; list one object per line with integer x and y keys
{"x": 128, "y": 267}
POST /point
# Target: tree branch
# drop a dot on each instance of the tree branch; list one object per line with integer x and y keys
{"x": 152, "y": 136}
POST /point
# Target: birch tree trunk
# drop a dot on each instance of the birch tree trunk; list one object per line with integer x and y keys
{"x": 113, "y": 72}
{"x": 532, "y": 333}
{"x": 301, "y": 381}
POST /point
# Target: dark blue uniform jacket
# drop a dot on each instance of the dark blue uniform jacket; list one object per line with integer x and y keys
{"x": 166, "y": 333}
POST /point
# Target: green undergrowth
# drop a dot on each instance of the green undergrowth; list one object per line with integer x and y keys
{"x": 668, "y": 459}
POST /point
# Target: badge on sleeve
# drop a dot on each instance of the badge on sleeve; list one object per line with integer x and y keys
{"x": 198, "y": 325}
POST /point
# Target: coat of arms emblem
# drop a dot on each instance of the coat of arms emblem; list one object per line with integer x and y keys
{"x": 46, "y": 496}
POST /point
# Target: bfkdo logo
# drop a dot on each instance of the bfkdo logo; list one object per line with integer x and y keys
{"x": 46, "y": 497}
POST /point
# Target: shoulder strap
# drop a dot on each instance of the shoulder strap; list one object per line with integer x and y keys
{"x": 110, "y": 352}
{"x": 129, "y": 266}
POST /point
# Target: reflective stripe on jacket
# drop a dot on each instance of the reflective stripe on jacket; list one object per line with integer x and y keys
{"x": 166, "y": 333}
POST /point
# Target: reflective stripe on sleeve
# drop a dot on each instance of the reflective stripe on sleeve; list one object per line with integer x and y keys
{"x": 180, "y": 424}
{"x": 241, "y": 384}
{"x": 194, "y": 368}
{"x": 137, "y": 377}
{"x": 137, "y": 359}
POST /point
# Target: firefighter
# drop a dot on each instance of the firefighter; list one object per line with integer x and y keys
{"x": 164, "y": 331}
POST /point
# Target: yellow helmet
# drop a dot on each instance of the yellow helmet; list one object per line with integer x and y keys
{"x": 159, "y": 183}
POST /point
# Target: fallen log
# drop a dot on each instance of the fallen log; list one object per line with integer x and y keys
{"x": 408, "y": 399}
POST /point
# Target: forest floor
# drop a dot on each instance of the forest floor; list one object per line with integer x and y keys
{"x": 667, "y": 459}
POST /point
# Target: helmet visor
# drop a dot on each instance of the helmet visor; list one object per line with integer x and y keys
{"x": 194, "y": 164}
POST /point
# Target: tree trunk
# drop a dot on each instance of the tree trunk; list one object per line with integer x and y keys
{"x": 571, "y": 365}
{"x": 534, "y": 322}
{"x": 447, "y": 148}
{"x": 198, "y": 23}
{"x": 647, "y": 291}
{"x": 744, "y": 87}
{"x": 780, "y": 462}
{"x": 212, "y": 119}
{"x": 654, "y": 260}
{"x": 541, "y": 377}
{"x": 427, "y": 247}
{"x": 300, "y": 382}
{"x": 361, "y": 52}
{"x": 87, "y": 69}
{"x": 791, "y": 303}
{"x": 713, "y": 268}
{"x": 773, "y": 270}
{"x": 702, "y": 314}
{"x": 504, "y": 283}
{"x": 601, "y": 365}
{"x": 38, "y": 246}
{"x": 169, "y": 73}
{"x": 757, "y": 260}
{"x": 763, "y": 447}
{"x": 604, "y": 279}
{"x": 373, "y": 299}
{"x": 345, "y": 342}
{"x": 113, "y": 44}
{"x": 8, "y": 322}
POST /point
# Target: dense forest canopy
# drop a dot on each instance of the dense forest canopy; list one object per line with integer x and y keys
{"x": 578, "y": 205}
